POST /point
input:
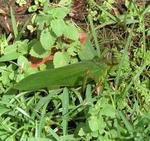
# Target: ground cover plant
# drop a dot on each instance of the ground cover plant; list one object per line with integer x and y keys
{"x": 74, "y": 70}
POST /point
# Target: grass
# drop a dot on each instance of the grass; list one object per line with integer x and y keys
{"x": 112, "y": 107}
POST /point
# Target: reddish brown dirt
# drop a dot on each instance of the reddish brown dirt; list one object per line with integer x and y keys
{"x": 21, "y": 14}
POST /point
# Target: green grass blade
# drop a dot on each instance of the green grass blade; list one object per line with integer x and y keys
{"x": 106, "y": 12}
{"x": 94, "y": 36}
{"x": 88, "y": 94}
{"x": 65, "y": 106}
{"x": 23, "y": 112}
{"x": 14, "y": 23}
{"x": 23, "y": 28}
{"x": 134, "y": 79}
{"x": 52, "y": 132}
{"x": 126, "y": 122}
{"x": 39, "y": 139}
{"x": 42, "y": 119}
{"x": 129, "y": 39}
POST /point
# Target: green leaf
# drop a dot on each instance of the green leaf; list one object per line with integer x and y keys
{"x": 93, "y": 123}
{"x": 59, "y": 12}
{"x": 22, "y": 46}
{"x": 21, "y": 2}
{"x": 10, "y": 49}
{"x": 87, "y": 51}
{"x": 23, "y": 62}
{"x": 41, "y": 20}
{"x": 14, "y": 23}
{"x": 71, "y": 75}
{"x": 15, "y": 50}
{"x": 108, "y": 110}
{"x": 46, "y": 39}
{"x": 10, "y": 56}
{"x": 5, "y": 77}
{"x": 39, "y": 139}
{"x": 33, "y": 8}
{"x": 58, "y": 26}
{"x": 37, "y": 50}
{"x": 71, "y": 32}
{"x": 3, "y": 110}
{"x": 61, "y": 59}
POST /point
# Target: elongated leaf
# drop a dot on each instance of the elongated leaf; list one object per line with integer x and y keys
{"x": 71, "y": 75}
{"x": 10, "y": 56}
{"x": 14, "y": 23}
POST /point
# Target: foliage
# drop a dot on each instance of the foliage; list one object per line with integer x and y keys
{"x": 55, "y": 86}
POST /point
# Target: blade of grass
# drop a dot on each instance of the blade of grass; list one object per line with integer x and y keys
{"x": 46, "y": 99}
{"x": 65, "y": 106}
{"x": 14, "y": 23}
{"x": 88, "y": 94}
{"x": 5, "y": 126}
{"x": 36, "y": 129}
{"x": 52, "y": 132}
{"x": 23, "y": 136}
{"x": 78, "y": 94}
{"x": 42, "y": 119}
{"x": 94, "y": 36}
{"x": 19, "y": 130}
{"x": 126, "y": 122}
{"x": 106, "y": 12}
{"x": 144, "y": 35}
{"x": 23, "y": 112}
{"x": 23, "y": 28}
{"x": 129, "y": 39}
{"x": 134, "y": 79}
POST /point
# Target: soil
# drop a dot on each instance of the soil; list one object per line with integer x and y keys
{"x": 21, "y": 14}
{"x": 78, "y": 14}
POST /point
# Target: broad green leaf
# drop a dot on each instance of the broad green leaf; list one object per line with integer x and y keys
{"x": 71, "y": 32}
{"x": 12, "y": 52}
{"x": 41, "y": 20}
{"x": 37, "y": 50}
{"x": 87, "y": 51}
{"x": 22, "y": 46}
{"x": 18, "y": 46}
{"x": 58, "y": 26}
{"x": 94, "y": 123}
{"x": 61, "y": 59}
{"x": 23, "y": 62}
{"x": 9, "y": 57}
{"x": 108, "y": 110}
{"x": 5, "y": 77}
{"x": 71, "y": 75}
{"x": 10, "y": 49}
{"x": 46, "y": 39}
{"x": 59, "y": 12}
{"x": 3, "y": 110}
